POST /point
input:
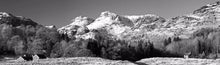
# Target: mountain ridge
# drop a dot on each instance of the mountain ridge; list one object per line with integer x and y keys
{"x": 149, "y": 26}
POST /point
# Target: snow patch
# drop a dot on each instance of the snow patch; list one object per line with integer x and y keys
{"x": 51, "y": 27}
{"x": 82, "y": 21}
{"x": 195, "y": 16}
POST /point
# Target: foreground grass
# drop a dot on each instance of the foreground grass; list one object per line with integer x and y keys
{"x": 179, "y": 61}
{"x": 100, "y": 61}
{"x": 69, "y": 61}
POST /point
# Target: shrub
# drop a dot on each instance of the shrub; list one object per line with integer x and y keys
{"x": 84, "y": 53}
{"x": 73, "y": 51}
{"x": 70, "y": 51}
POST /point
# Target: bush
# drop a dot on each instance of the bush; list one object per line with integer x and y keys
{"x": 70, "y": 51}
{"x": 84, "y": 53}
{"x": 73, "y": 51}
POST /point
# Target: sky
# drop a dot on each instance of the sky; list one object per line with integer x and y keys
{"x": 61, "y": 12}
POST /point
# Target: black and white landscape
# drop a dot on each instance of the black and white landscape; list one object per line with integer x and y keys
{"x": 116, "y": 39}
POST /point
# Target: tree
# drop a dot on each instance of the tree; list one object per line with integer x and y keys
{"x": 167, "y": 41}
{"x": 7, "y": 32}
{"x": 16, "y": 45}
{"x": 179, "y": 48}
{"x": 94, "y": 46}
{"x": 215, "y": 41}
{"x": 49, "y": 37}
{"x": 59, "y": 48}
{"x": 70, "y": 51}
{"x": 37, "y": 47}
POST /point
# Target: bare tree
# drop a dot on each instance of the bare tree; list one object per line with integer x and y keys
{"x": 215, "y": 20}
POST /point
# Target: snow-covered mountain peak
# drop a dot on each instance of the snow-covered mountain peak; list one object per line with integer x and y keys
{"x": 108, "y": 14}
{"x": 79, "y": 22}
{"x": 51, "y": 27}
{"x": 115, "y": 24}
{"x": 82, "y": 21}
{"x": 4, "y": 14}
{"x": 122, "y": 26}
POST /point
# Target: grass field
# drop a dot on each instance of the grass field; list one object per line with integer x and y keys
{"x": 179, "y": 61}
{"x": 100, "y": 61}
{"x": 69, "y": 61}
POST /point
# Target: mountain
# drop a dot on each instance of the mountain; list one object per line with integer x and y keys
{"x": 182, "y": 26}
{"x": 207, "y": 16}
{"x": 151, "y": 27}
{"x": 79, "y": 23}
{"x": 15, "y": 20}
{"x": 117, "y": 26}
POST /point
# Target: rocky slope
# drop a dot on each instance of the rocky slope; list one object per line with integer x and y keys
{"x": 15, "y": 20}
{"x": 79, "y": 23}
{"x": 205, "y": 17}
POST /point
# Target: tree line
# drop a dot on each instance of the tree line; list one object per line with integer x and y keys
{"x": 28, "y": 39}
